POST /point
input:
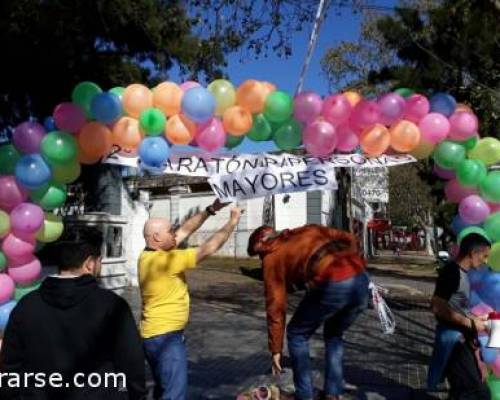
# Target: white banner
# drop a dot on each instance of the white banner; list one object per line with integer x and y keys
{"x": 261, "y": 182}
{"x": 211, "y": 165}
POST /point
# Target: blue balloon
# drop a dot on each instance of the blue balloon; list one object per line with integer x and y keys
{"x": 489, "y": 291}
{"x": 458, "y": 224}
{"x": 198, "y": 104}
{"x": 49, "y": 124}
{"x": 488, "y": 354}
{"x": 474, "y": 299}
{"x": 443, "y": 103}
{"x": 32, "y": 171}
{"x": 5, "y": 310}
{"x": 154, "y": 151}
{"x": 106, "y": 107}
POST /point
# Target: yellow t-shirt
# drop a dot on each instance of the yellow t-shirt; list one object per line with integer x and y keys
{"x": 164, "y": 291}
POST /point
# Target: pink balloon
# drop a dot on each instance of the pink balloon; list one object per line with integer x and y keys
{"x": 392, "y": 107}
{"x": 434, "y": 127}
{"x": 417, "y": 107}
{"x": 27, "y": 137}
{"x": 16, "y": 248}
{"x": 189, "y": 85}
{"x": 473, "y": 209}
{"x": 481, "y": 309}
{"x": 11, "y": 194}
{"x": 445, "y": 174}
{"x": 307, "y": 106}
{"x": 211, "y": 136}
{"x": 336, "y": 109}
{"x": 455, "y": 192}
{"x": 494, "y": 207}
{"x": 347, "y": 139}
{"x": 7, "y": 288}
{"x": 320, "y": 138}
{"x": 26, "y": 218}
{"x": 365, "y": 113}
{"x": 26, "y": 273}
{"x": 69, "y": 117}
{"x": 463, "y": 125}
{"x": 495, "y": 367}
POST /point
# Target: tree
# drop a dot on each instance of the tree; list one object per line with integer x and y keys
{"x": 427, "y": 45}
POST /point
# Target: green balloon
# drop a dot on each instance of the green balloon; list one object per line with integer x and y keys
{"x": 118, "y": 90}
{"x": 59, "y": 148}
{"x": 278, "y": 107}
{"x": 487, "y": 150}
{"x": 494, "y": 386}
{"x": 472, "y": 229}
{"x": 50, "y": 196}
{"x": 51, "y": 230}
{"x": 23, "y": 290}
{"x": 490, "y": 187}
{"x": 494, "y": 258}
{"x": 492, "y": 226}
{"x": 4, "y": 223}
{"x": 83, "y": 93}
{"x": 404, "y": 92}
{"x": 224, "y": 93}
{"x": 3, "y": 261}
{"x": 233, "y": 141}
{"x": 152, "y": 121}
{"x": 468, "y": 144}
{"x": 8, "y": 159}
{"x": 289, "y": 135}
{"x": 470, "y": 173}
{"x": 261, "y": 129}
{"x": 449, "y": 155}
{"x": 66, "y": 173}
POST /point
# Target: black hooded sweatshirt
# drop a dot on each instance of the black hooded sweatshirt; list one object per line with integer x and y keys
{"x": 72, "y": 326}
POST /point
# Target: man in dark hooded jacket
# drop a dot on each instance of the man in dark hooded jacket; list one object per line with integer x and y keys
{"x": 70, "y": 339}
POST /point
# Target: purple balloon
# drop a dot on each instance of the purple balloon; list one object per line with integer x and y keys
{"x": 320, "y": 138}
{"x": 26, "y": 218}
{"x": 473, "y": 209}
{"x": 307, "y": 106}
{"x": 69, "y": 117}
{"x": 27, "y": 137}
{"x": 11, "y": 193}
{"x": 392, "y": 107}
{"x": 189, "y": 85}
{"x": 445, "y": 174}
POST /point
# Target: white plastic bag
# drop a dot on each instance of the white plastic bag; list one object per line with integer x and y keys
{"x": 385, "y": 315}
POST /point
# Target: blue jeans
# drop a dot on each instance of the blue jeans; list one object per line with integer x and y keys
{"x": 167, "y": 357}
{"x": 337, "y": 305}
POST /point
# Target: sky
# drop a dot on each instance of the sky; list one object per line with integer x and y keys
{"x": 285, "y": 72}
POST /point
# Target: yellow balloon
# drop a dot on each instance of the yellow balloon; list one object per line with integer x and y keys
{"x": 224, "y": 93}
{"x": 51, "y": 230}
{"x": 353, "y": 97}
{"x": 423, "y": 150}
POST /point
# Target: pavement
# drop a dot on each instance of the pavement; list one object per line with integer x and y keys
{"x": 227, "y": 340}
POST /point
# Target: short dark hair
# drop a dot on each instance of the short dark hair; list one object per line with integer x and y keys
{"x": 471, "y": 243}
{"x": 76, "y": 245}
{"x": 256, "y": 237}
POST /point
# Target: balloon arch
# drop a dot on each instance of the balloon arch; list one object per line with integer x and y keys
{"x": 136, "y": 120}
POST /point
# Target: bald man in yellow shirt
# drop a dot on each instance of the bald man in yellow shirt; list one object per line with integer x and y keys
{"x": 165, "y": 295}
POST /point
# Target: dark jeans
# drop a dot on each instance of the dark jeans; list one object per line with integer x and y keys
{"x": 337, "y": 305}
{"x": 167, "y": 357}
{"x": 464, "y": 375}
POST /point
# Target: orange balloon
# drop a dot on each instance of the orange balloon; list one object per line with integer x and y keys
{"x": 375, "y": 140}
{"x": 463, "y": 107}
{"x": 237, "y": 120}
{"x": 180, "y": 130}
{"x": 252, "y": 95}
{"x": 126, "y": 134}
{"x": 353, "y": 97}
{"x": 167, "y": 96}
{"x": 136, "y": 98}
{"x": 95, "y": 139}
{"x": 405, "y": 136}
{"x": 84, "y": 158}
{"x": 423, "y": 150}
{"x": 269, "y": 87}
